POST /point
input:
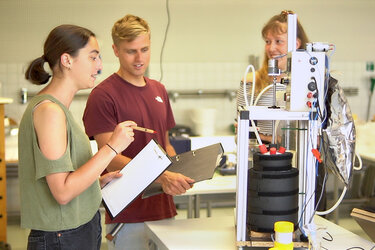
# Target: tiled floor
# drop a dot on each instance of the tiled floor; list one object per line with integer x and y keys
{"x": 17, "y": 237}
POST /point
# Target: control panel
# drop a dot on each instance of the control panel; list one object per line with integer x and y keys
{"x": 305, "y": 81}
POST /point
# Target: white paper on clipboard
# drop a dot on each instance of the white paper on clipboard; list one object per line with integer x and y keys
{"x": 137, "y": 175}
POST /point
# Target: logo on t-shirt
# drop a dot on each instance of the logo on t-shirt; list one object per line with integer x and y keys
{"x": 158, "y": 98}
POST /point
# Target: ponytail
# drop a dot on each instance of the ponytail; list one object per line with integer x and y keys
{"x": 36, "y": 73}
{"x": 62, "y": 39}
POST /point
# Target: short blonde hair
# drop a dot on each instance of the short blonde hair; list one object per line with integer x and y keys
{"x": 128, "y": 28}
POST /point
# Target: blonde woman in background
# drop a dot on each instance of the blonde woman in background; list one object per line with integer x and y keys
{"x": 275, "y": 37}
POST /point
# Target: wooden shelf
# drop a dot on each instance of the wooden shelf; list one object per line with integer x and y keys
{"x": 3, "y": 191}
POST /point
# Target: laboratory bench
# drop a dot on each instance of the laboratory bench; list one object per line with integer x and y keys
{"x": 219, "y": 233}
{"x": 200, "y": 233}
{"x": 218, "y": 191}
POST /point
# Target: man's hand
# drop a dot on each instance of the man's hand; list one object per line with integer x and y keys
{"x": 175, "y": 183}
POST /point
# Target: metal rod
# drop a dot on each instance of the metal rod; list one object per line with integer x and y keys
{"x": 173, "y": 94}
{"x": 274, "y": 105}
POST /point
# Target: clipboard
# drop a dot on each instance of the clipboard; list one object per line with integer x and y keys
{"x": 137, "y": 175}
{"x": 199, "y": 164}
{"x": 366, "y": 220}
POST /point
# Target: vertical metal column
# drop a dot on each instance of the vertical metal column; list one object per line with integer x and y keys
{"x": 292, "y": 32}
{"x": 312, "y": 134}
{"x": 301, "y": 165}
{"x": 242, "y": 168}
{"x": 307, "y": 138}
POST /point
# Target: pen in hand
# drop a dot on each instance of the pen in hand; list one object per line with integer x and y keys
{"x": 147, "y": 130}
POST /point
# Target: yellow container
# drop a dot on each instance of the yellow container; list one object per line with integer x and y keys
{"x": 284, "y": 235}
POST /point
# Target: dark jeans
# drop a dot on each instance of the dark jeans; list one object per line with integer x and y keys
{"x": 87, "y": 236}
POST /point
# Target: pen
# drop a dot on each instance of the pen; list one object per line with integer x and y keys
{"x": 147, "y": 130}
{"x": 110, "y": 236}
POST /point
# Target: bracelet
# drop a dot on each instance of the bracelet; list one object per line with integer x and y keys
{"x": 112, "y": 148}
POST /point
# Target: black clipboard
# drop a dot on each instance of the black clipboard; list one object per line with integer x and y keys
{"x": 138, "y": 174}
{"x": 197, "y": 164}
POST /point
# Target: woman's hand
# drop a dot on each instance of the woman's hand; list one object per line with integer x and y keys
{"x": 122, "y": 136}
{"x": 106, "y": 178}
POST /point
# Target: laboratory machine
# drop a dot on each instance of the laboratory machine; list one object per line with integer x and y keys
{"x": 276, "y": 183}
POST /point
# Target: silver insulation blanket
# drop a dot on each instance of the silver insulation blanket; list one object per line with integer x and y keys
{"x": 339, "y": 134}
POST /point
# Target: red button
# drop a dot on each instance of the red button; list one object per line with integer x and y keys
{"x": 282, "y": 150}
{"x": 272, "y": 151}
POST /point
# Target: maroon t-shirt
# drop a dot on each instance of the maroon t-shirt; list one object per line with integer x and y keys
{"x": 115, "y": 100}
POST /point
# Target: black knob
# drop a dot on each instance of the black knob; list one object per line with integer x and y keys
{"x": 311, "y": 86}
{"x": 285, "y": 81}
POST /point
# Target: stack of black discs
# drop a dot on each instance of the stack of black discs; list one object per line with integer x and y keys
{"x": 272, "y": 192}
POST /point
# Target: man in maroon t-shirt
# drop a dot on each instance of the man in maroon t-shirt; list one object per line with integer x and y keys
{"x": 128, "y": 95}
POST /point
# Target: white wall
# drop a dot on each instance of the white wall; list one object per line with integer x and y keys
{"x": 208, "y": 43}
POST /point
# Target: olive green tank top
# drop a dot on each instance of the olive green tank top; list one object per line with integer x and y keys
{"x": 39, "y": 209}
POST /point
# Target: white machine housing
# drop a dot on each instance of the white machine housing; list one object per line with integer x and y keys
{"x": 306, "y": 79}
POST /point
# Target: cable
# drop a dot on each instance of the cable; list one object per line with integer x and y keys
{"x": 258, "y": 98}
{"x": 321, "y": 148}
{"x": 309, "y": 140}
{"x": 306, "y": 200}
{"x": 340, "y": 198}
{"x": 322, "y": 116}
{"x": 303, "y": 211}
{"x": 165, "y": 39}
{"x": 251, "y": 99}
{"x": 334, "y": 206}
{"x": 316, "y": 104}
{"x": 321, "y": 194}
{"x": 359, "y": 161}
{"x": 256, "y": 132}
{"x": 313, "y": 120}
{"x": 253, "y": 85}
{"x": 328, "y": 62}
{"x": 264, "y": 90}
{"x": 325, "y": 87}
